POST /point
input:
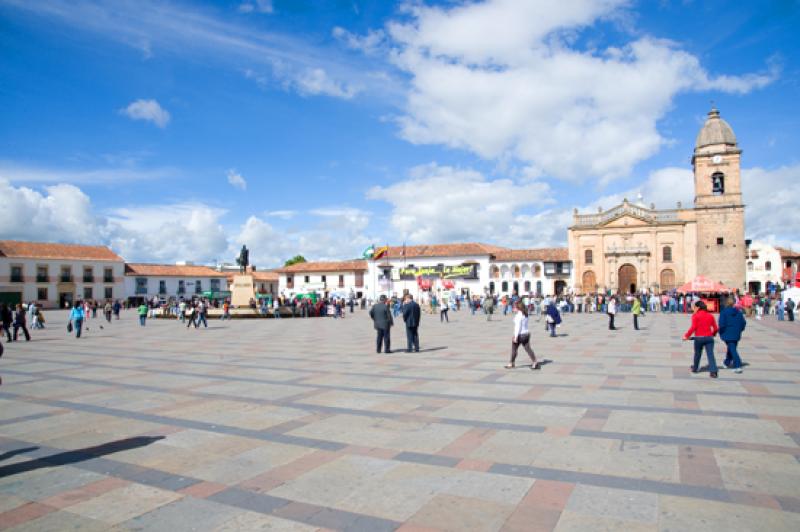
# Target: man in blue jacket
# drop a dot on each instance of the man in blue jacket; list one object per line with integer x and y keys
{"x": 731, "y": 325}
{"x": 411, "y": 316}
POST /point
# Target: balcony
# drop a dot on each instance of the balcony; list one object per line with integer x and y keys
{"x": 42, "y": 278}
{"x": 65, "y": 278}
{"x": 88, "y": 278}
{"x": 17, "y": 279}
{"x": 108, "y": 279}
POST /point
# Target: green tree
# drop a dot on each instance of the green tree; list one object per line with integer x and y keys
{"x": 294, "y": 260}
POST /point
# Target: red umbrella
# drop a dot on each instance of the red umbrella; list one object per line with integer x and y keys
{"x": 704, "y": 285}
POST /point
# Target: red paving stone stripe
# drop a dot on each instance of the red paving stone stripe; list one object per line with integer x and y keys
{"x": 469, "y": 464}
{"x": 535, "y": 393}
{"x": 373, "y": 452}
{"x": 558, "y": 432}
{"x": 204, "y": 489}
{"x": 462, "y": 446}
{"x": 23, "y": 514}
{"x": 754, "y": 499}
{"x": 84, "y": 493}
{"x": 302, "y": 465}
{"x": 410, "y": 386}
{"x": 789, "y": 424}
{"x": 756, "y": 389}
{"x": 548, "y": 495}
{"x": 532, "y": 519}
{"x": 698, "y": 467}
{"x": 688, "y": 405}
{"x": 262, "y": 483}
{"x": 417, "y": 528}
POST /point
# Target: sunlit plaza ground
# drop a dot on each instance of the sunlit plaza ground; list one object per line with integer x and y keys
{"x": 300, "y": 425}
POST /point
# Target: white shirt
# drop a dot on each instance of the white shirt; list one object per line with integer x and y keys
{"x": 612, "y": 306}
{"x": 520, "y": 324}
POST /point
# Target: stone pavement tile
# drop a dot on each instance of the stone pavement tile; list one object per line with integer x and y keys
{"x": 755, "y": 471}
{"x": 525, "y": 414}
{"x": 742, "y": 430}
{"x": 578, "y": 522}
{"x": 408, "y": 527}
{"x": 68, "y": 498}
{"x": 246, "y": 521}
{"x": 465, "y": 443}
{"x": 42, "y": 483}
{"x": 24, "y": 514}
{"x": 248, "y": 464}
{"x": 10, "y": 409}
{"x": 457, "y": 514}
{"x": 698, "y": 467}
{"x": 301, "y": 465}
{"x": 789, "y": 504}
{"x": 755, "y": 499}
{"x": 532, "y": 519}
{"x": 681, "y": 513}
{"x": 187, "y": 514}
{"x": 61, "y": 521}
{"x": 9, "y": 502}
{"x": 374, "y": 452}
{"x": 202, "y": 490}
{"x": 470, "y": 464}
{"x": 121, "y": 504}
{"x": 623, "y": 505}
{"x": 789, "y": 424}
{"x": 548, "y": 495}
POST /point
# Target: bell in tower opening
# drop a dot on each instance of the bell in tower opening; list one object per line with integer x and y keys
{"x": 718, "y": 184}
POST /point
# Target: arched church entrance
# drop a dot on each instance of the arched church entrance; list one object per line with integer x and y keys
{"x": 627, "y": 278}
{"x": 589, "y": 282}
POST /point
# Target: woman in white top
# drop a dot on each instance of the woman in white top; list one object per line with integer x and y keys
{"x": 522, "y": 336}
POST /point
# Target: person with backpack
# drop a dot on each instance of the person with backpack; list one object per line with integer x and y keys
{"x": 704, "y": 328}
{"x": 521, "y": 337}
{"x": 731, "y": 325}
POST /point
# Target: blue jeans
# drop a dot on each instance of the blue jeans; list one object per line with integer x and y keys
{"x": 552, "y": 327}
{"x": 276, "y": 313}
{"x": 202, "y": 318}
{"x": 78, "y": 325}
{"x": 142, "y": 319}
{"x": 708, "y": 343}
{"x": 732, "y": 358}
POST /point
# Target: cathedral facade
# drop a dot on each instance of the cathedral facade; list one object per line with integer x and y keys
{"x": 632, "y": 247}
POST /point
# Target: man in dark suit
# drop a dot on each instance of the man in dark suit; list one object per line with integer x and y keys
{"x": 382, "y": 320}
{"x": 411, "y": 316}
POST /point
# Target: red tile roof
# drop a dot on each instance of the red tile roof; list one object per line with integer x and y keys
{"x": 262, "y": 276}
{"x": 788, "y": 253}
{"x": 443, "y": 250}
{"x": 46, "y": 250}
{"x": 171, "y": 270}
{"x": 322, "y": 267}
{"x": 543, "y": 254}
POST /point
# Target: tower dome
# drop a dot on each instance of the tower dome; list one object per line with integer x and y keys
{"x": 715, "y": 131}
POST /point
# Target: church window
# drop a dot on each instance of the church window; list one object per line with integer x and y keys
{"x": 718, "y": 184}
{"x": 768, "y": 266}
{"x": 588, "y": 256}
{"x": 720, "y": 241}
{"x": 666, "y": 254}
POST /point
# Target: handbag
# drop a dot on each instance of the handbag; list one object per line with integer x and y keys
{"x": 69, "y": 326}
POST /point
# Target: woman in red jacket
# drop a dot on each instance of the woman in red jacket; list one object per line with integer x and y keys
{"x": 704, "y": 328}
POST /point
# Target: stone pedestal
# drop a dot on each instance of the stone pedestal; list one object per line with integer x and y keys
{"x": 242, "y": 290}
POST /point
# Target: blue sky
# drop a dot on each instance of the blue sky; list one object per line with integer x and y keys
{"x": 180, "y": 130}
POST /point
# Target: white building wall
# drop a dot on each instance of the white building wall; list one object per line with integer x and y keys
{"x": 316, "y": 283}
{"x": 756, "y": 268}
{"x": 172, "y": 285}
{"x": 29, "y": 288}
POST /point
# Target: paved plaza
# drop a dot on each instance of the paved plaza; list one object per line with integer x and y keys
{"x": 299, "y": 425}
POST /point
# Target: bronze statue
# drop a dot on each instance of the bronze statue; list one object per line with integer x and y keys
{"x": 244, "y": 259}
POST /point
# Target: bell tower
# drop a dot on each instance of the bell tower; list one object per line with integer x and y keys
{"x": 718, "y": 206}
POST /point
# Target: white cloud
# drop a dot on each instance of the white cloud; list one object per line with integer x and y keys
{"x": 23, "y": 173}
{"x": 502, "y": 78}
{"x": 446, "y": 204}
{"x": 258, "y": 6}
{"x": 317, "y": 81}
{"x": 236, "y": 180}
{"x": 772, "y": 199}
{"x": 370, "y": 43}
{"x": 285, "y": 214}
{"x": 147, "y": 110}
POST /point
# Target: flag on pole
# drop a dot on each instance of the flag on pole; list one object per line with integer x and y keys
{"x": 380, "y": 252}
{"x": 369, "y": 252}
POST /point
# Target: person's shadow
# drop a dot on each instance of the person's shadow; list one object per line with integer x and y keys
{"x": 72, "y": 457}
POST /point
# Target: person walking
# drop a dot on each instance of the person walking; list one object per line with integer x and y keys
{"x": 21, "y": 323}
{"x": 6, "y": 319}
{"x": 142, "y": 311}
{"x": 107, "y": 310}
{"x": 382, "y": 321}
{"x": 704, "y": 328}
{"x": 276, "y": 309}
{"x": 192, "y": 316}
{"x": 611, "y": 310}
{"x": 488, "y": 306}
{"x": 790, "y": 309}
{"x": 226, "y": 311}
{"x": 411, "y": 316}
{"x": 443, "y": 316}
{"x": 521, "y": 337}
{"x": 731, "y": 325}
{"x": 552, "y": 318}
{"x": 780, "y": 310}
{"x": 116, "y": 308}
{"x": 76, "y": 317}
{"x": 636, "y": 310}
{"x": 202, "y": 309}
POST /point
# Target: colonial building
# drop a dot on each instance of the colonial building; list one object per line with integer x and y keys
{"x": 763, "y": 268}
{"x": 345, "y": 277}
{"x": 632, "y": 247}
{"x": 171, "y": 281}
{"x": 55, "y": 275}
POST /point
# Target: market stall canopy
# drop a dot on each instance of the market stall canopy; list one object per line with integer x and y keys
{"x": 704, "y": 285}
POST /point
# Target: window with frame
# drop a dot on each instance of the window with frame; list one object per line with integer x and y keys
{"x": 109, "y": 292}
{"x": 141, "y": 285}
{"x": 504, "y": 286}
{"x": 41, "y": 294}
{"x": 307, "y": 279}
{"x": 66, "y": 274}
{"x": 41, "y": 274}
{"x": 162, "y": 286}
{"x": 549, "y": 268}
{"x": 587, "y": 256}
{"x": 87, "y": 292}
{"x": 750, "y": 266}
{"x": 198, "y": 287}
{"x": 324, "y": 278}
{"x": 16, "y": 274}
{"x": 768, "y": 266}
{"x": 181, "y": 286}
{"x": 215, "y": 285}
{"x": 341, "y": 281}
{"x": 290, "y": 281}
{"x": 88, "y": 274}
{"x": 720, "y": 241}
{"x": 108, "y": 275}
{"x": 666, "y": 254}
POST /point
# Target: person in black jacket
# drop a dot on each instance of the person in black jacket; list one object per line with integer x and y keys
{"x": 731, "y": 325}
{"x": 21, "y": 323}
{"x": 6, "y": 318}
{"x": 382, "y": 320}
{"x": 411, "y": 317}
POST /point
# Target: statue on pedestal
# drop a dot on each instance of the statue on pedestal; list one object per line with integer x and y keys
{"x": 244, "y": 259}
